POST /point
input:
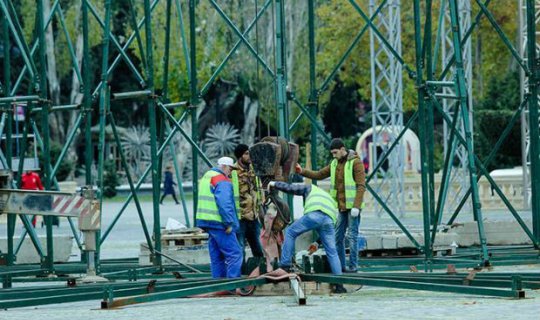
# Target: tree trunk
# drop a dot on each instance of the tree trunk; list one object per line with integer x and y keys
{"x": 478, "y": 64}
{"x": 183, "y": 147}
{"x": 55, "y": 121}
{"x": 251, "y": 109}
{"x": 76, "y": 95}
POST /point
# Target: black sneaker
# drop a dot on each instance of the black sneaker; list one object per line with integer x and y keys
{"x": 350, "y": 271}
{"x": 339, "y": 288}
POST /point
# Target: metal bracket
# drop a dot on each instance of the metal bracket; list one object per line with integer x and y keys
{"x": 298, "y": 292}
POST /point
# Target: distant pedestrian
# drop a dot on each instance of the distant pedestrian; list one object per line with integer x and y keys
{"x": 168, "y": 185}
{"x": 31, "y": 181}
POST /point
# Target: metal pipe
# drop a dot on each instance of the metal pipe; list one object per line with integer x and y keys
{"x": 132, "y": 95}
{"x": 175, "y": 104}
{"x": 15, "y": 99}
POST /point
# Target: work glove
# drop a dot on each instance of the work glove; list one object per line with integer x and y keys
{"x": 313, "y": 247}
{"x": 355, "y": 212}
{"x": 298, "y": 168}
{"x": 228, "y": 230}
{"x": 270, "y": 185}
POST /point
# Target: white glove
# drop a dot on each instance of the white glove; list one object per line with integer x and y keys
{"x": 355, "y": 212}
{"x": 271, "y": 184}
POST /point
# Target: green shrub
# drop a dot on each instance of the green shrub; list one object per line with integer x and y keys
{"x": 110, "y": 179}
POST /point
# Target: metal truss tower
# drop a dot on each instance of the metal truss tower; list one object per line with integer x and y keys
{"x": 387, "y": 104}
{"x": 458, "y": 174}
{"x": 525, "y": 130}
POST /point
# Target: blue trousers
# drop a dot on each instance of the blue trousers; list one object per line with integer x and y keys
{"x": 324, "y": 226}
{"x": 344, "y": 222}
{"x": 225, "y": 254}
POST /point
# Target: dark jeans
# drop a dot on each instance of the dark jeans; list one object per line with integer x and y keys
{"x": 323, "y": 224}
{"x": 250, "y": 231}
{"x": 163, "y": 197}
{"x": 344, "y": 222}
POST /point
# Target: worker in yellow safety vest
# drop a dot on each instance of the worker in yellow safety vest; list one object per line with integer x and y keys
{"x": 347, "y": 187}
{"x": 216, "y": 214}
{"x": 320, "y": 214}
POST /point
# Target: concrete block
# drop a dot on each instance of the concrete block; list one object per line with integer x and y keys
{"x": 441, "y": 239}
{"x": 497, "y": 233}
{"x": 284, "y": 289}
{"x": 304, "y": 240}
{"x": 389, "y": 241}
{"x": 444, "y": 239}
{"x": 27, "y": 254}
{"x": 404, "y": 242}
{"x": 373, "y": 242}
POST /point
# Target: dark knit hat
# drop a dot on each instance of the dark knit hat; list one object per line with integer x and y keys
{"x": 240, "y": 150}
{"x": 336, "y": 143}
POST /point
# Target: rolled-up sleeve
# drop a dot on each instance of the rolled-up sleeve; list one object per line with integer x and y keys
{"x": 296, "y": 189}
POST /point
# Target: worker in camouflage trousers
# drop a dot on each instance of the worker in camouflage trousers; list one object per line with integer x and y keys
{"x": 248, "y": 198}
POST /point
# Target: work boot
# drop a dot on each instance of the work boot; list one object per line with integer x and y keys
{"x": 288, "y": 269}
{"x": 339, "y": 288}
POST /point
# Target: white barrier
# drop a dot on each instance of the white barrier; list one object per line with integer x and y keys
{"x": 511, "y": 187}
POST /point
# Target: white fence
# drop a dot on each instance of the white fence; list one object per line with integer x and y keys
{"x": 512, "y": 188}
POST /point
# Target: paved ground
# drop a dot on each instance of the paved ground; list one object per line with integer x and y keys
{"x": 368, "y": 303}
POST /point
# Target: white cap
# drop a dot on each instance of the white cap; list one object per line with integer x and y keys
{"x": 225, "y": 161}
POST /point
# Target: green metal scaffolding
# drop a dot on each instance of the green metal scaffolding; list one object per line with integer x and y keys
{"x": 165, "y": 117}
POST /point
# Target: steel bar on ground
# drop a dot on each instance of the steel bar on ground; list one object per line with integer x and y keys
{"x": 229, "y": 285}
{"x": 399, "y": 284}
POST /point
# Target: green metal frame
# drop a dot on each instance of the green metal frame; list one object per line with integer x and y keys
{"x": 165, "y": 124}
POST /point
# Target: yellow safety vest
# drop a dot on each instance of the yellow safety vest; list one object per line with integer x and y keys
{"x": 206, "y": 203}
{"x": 318, "y": 199}
{"x": 236, "y": 191}
{"x": 350, "y": 184}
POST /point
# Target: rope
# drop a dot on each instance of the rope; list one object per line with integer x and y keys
{"x": 257, "y": 83}
{"x": 275, "y": 70}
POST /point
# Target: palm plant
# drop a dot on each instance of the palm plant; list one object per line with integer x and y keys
{"x": 136, "y": 146}
{"x": 220, "y": 140}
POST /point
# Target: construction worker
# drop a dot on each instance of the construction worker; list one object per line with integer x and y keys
{"x": 31, "y": 181}
{"x": 247, "y": 196}
{"x": 216, "y": 214}
{"x": 320, "y": 214}
{"x": 347, "y": 187}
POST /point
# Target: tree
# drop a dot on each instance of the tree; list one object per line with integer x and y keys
{"x": 492, "y": 116}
